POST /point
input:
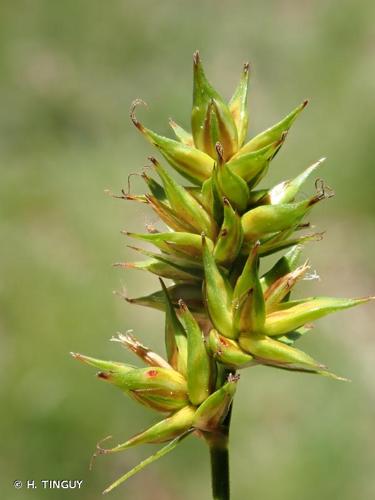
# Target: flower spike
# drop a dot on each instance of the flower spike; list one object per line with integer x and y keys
{"x": 223, "y": 311}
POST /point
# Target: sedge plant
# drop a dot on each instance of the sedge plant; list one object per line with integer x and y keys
{"x": 222, "y": 314}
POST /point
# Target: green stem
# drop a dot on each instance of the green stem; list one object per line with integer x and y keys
{"x": 218, "y": 443}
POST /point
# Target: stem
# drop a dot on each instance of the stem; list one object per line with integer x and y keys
{"x": 218, "y": 443}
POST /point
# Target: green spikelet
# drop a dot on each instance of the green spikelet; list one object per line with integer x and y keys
{"x": 221, "y": 313}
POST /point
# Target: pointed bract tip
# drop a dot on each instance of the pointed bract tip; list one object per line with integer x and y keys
{"x": 196, "y": 57}
{"x": 164, "y": 287}
{"x": 124, "y": 265}
{"x": 220, "y": 151}
{"x": 304, "y": 104}
{"x": 154, "y": 161}
{"x": 246, "y": 67}
{"x": 133, "y": 117}
{"x": 255, "y": 248}
{"x": 367, "y": 299}
{"x": 282, "y": 138}
{"x": 123, "y": 337}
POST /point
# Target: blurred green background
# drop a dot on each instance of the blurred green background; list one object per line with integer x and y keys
{"x": 68, "y": 73}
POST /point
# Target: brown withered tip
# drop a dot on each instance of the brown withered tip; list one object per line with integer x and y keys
{"x": 99, "y": 449}
{"x": 319, "y": 236}
{"x": 255, "y": 249}
{"x": 133, "y": 117}
{"x": 153, "y": 160}
{"x": 196, "y": 57}
{"x": 137, "y": 249}
{"x": 323, "y": 191}
{"x": 226, "y": 201}
{"x": 182, "y": 305}
{"x": 246, "y": 67}
{"x": 220, "y": 151}
{"x": 233, "y": 377}
{"x": 211, "y": 105}
{"x": 122, "y": 196}
{"x": 304, "y": 225}
{"x": 305, "y": 103}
